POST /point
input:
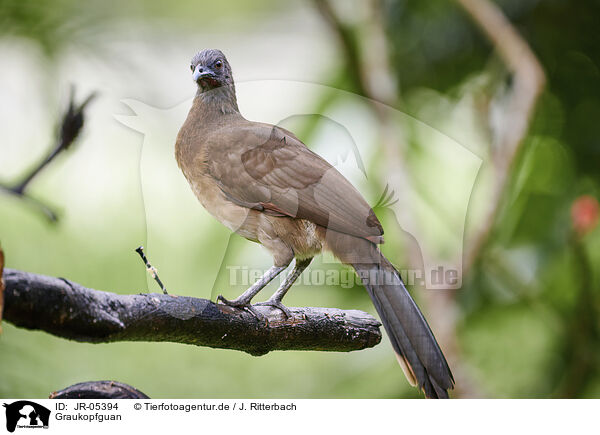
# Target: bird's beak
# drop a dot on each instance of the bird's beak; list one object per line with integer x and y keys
{"x": 201, "y": 72}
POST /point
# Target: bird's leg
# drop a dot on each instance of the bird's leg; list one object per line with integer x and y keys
{"x": 275, "y": 300}
{"x": 244, "y": 299}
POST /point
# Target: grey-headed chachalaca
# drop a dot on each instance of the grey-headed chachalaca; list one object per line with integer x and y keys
{"x": 263, "y": 183}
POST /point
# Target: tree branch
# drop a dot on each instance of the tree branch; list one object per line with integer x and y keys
{"x": 99, "y": 390}
{"x": 528, "y": 82}
{"x": 69, "y": 310}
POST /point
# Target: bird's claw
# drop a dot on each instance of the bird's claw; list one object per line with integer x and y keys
{"x": 277, "y": 304}
{"x": 240, "y": 305}
{"x": 220, "y": 298}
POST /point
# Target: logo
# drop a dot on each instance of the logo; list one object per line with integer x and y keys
{"x": 26, "y": 414}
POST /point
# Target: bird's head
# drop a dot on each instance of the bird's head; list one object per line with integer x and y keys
{"x": 211, "y": 70}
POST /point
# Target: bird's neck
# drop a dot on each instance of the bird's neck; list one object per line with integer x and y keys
{"x": 217, "y": 101}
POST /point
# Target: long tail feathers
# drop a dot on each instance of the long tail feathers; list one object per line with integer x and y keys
{"x": 416, "y": 349}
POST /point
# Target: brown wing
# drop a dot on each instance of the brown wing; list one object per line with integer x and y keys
{"x": 268, "y": 169}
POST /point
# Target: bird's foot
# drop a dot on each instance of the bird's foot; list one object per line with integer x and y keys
{"x": 276, "y": 304}
{"x": 241, "y": 304}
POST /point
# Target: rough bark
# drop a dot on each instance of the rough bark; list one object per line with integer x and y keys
{"x": 99, "y": 390}
{"x": 69, "y": 310}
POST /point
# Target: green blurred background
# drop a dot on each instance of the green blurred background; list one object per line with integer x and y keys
{"x": 523, "y": 324}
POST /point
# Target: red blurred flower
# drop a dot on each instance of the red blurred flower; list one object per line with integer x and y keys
{"x": 584, "y": 214}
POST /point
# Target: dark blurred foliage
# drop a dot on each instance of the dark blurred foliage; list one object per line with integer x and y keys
{"x": 435, "y": 45}
{"x": 58, "y": 25}
{"x": 53, "y": 25}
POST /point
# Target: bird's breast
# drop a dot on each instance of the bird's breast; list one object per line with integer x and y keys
{"x": 239, "y": 219}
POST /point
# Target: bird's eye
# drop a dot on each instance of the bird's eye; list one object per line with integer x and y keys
{"x": 192, "y": 68}
{"x": 219, "y": 64}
